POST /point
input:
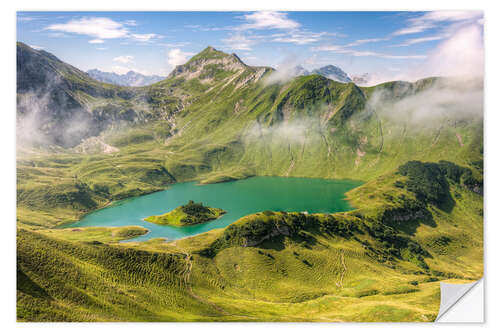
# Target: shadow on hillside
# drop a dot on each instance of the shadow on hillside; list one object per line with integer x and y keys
{"x": 410, "y": 227}
{"x": 29, "y": 287}
{"x": 408, "y": 222}
{"x": 275, "y": 243}
{"x": 447, "y": 203}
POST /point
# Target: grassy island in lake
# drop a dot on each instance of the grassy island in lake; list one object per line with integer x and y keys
{"x": 188, "y": 214}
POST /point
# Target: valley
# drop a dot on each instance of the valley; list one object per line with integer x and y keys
{"x": 407, "y": 157}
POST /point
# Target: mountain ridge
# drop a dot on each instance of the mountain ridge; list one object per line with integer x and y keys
{"x": 208, "y": 75}
{"x": 130, "y": 79}
{"x": 417, "y": 219}
{"x": 54, "y": 99}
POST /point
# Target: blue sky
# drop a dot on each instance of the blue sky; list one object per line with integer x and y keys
{"x": 154, "y": 42}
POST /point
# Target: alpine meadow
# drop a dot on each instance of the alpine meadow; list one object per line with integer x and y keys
{"x": 226, "y": 191}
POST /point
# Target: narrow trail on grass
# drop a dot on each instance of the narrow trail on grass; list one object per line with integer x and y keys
{"x": 182, "y": 128}
{"x": 187, "y": 277}
{"x": 292, "y": 160}
{"x": 292, "y": 164}
{"x": 381, "y": 147}
{"x": 436, "y": 138}
{"x": 379, "y": 125}
{"x": 459, "y": 138}
{"x": 342, "y": 259}
{"x": 326, "y": 143}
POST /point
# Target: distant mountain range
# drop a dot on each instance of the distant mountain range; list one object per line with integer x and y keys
{"x": 130, "y": 79}
{"x": 329, "y": 71}
{"x": 134, "y": 79}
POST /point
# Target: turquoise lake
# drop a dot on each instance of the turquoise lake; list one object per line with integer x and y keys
{"x": 238, "y": 198}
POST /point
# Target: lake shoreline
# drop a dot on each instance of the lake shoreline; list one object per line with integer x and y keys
{"x": 238, "y": 198}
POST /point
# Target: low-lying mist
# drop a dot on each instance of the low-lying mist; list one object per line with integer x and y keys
{"x": 293, "y": 131}
{"x": 41, "y": 122}
{"x": 454, "y": 98}
{"x": 423, "y": 104}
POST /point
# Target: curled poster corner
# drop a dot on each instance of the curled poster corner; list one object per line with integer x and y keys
{"x": 459, "y": 304}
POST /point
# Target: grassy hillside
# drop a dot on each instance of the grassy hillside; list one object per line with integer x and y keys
{"x": 188, "y": 214}
{"x": 60, "y": 280}
{"x": 380, "y": 262}
{"x": 418, "y": 216}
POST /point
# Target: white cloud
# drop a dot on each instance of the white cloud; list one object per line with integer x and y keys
{"x": 299, "y": 37}
{"x": 124, "y": 59}
{"x": 332, "y": 48}
{"x": 239, "y": 42}
{"x": 285, "y": 70}
{"x": 460, "y": 55}
{"x": 418, "y": 24}
{"x": 215, "y": 28}
{"x": 292, "y": 131}
{"x": 101, "y": 28}
{"x": 343, "y": 50}
{"x": 450, "y": 16}
{"x": 414, "y": 28}
{"x": 212, "y": 27}
{"x": 175, "y": 45}
{"x": 291, "y": 31}
{"x": 98, "y": 27}
{"x": 36, "y": 47}
{"x": 421, "y": 40}
{"x": 178, "y": 57}
{"x": 364, "y": 41}
{"x": 269, "y": 20}
{"x": 120, "y": 69}
{"x": 431, "y": 19}
{"x": 455, "y": 98}
{"x": 144, "y": 37}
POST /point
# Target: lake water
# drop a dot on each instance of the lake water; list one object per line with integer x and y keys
{"x": 238, "y": 198}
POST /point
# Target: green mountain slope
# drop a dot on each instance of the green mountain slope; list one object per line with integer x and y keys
{"x": 215, "y": 113}
{"x": 380, "y": 262}
{"x": 217, "y": 119}
{"x": 59, "y": 104}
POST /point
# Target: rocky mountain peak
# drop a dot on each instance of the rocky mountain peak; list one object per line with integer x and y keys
{"x": 207, "y": 62}
{"x": 334, "y": 73}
